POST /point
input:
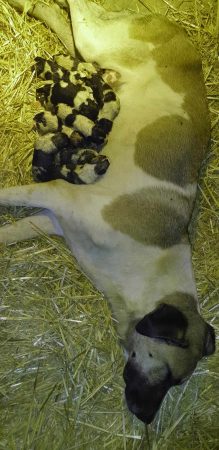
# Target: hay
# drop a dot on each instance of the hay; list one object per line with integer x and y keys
{"x": 60, "y": 376}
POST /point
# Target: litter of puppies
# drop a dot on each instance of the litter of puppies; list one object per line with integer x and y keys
{"x": 79, "y": 109}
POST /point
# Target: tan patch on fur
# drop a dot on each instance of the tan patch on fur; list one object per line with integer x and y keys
{"x": 152, "y": 216}
{"x": 181, "y": 300}
{"x": 165, "y": 149}
{"x": 179, "y": 65}
{"x": 130, "y": 57}
{"x": 154, "y": 29}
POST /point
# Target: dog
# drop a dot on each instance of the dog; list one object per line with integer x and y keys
{"x": 129, "y": 230}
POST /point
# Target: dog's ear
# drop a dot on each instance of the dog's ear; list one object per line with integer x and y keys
{"x": 166, "y": 323}
{"x": 209, "y": 343}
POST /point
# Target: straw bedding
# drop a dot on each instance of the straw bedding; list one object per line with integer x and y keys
{"x": 61, "y": 382}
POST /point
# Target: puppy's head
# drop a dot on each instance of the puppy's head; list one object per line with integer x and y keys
{"x": 163, "y": 351}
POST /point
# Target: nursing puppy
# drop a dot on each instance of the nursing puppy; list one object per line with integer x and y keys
{"x": 129, "y": 230}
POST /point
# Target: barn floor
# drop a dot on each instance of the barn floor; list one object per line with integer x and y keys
{"x": 61, "y": 384}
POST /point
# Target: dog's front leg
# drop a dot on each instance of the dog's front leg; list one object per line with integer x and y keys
{"x": 43, "y": 195}
{"x": 30, "y": 227}
{"x": 52, "y": 17}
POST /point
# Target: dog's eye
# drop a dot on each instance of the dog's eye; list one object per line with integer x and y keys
{"x": 133, "y": 354}
{"x": 150, "y": 354}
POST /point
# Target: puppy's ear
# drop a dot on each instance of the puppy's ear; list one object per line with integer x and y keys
{"x": 209, "y": 344}
{"x": 165, "y": 323}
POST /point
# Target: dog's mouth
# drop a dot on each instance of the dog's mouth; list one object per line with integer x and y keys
{"x": 136, "y": 394}
{"x": 144, "y": 398}
{"x": 138, "y": 407}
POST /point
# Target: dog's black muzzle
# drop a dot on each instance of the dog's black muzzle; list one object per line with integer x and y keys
{"x": 143, "y": 399}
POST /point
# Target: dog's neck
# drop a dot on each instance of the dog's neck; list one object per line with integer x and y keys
{"x": 144, "y": 278}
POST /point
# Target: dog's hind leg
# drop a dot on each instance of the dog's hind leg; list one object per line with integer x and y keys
{"x": 52, "y": 16}
{"x": 98, "y": 34}
{"x": 30, "y": 227}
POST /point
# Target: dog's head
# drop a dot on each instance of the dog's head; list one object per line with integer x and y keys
{"x": 163, "y": 350}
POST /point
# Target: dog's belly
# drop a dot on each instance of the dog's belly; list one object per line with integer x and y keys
{"x": 132, "y": 275}
{"x": 144, "y": 98}
{"x": 132, "y": 148}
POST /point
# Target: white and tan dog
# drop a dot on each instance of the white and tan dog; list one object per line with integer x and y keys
{"x": 129, "y": 230}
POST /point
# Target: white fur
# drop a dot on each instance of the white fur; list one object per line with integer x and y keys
{"x": 116, "y": 263}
